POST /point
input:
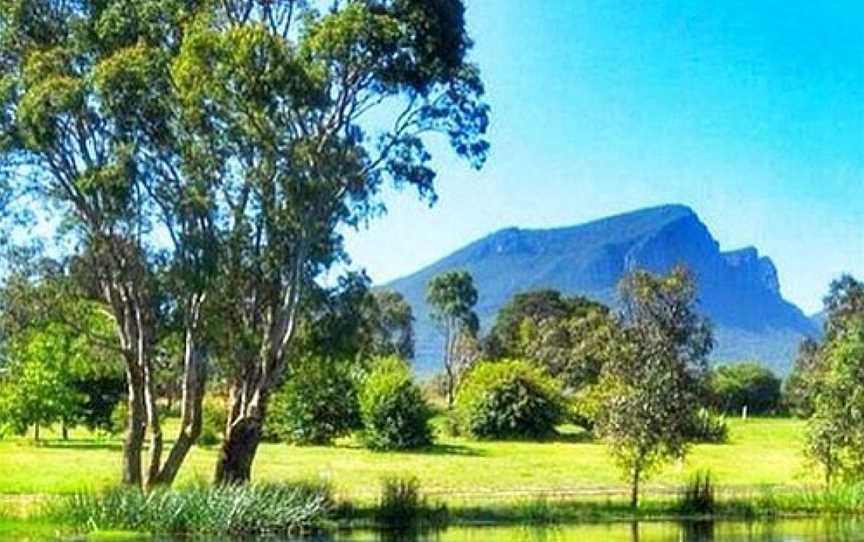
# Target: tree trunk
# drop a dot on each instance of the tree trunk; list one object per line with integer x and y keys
{"x": 450, "y": 386}
{"x": 234, "y": 465}
{"x": 155, "y": 429}
{"x": 634, "y": 488}
{"x": 36, "y": 432}
{"x": 136, "y": 426}
{"x": 448, "y": 364}
{"x": 256, "y": 376}
{"x": 64, "y": 430}
{"x": 194, "y": 377}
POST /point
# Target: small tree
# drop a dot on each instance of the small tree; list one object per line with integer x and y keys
{"x": 452, "y": 296}
{"x": 37, "y": 390}
{"x": 651, "y": 384}
{"x": 835, "y": 386}
{"x": 394, "y": 330}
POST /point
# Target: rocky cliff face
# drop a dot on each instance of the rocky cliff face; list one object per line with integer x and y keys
{"x": 738, "y": 290}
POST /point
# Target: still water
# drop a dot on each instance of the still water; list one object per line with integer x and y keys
{"x": 780, "y": 531}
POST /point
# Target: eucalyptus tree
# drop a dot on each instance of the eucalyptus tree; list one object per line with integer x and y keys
{"x": 651, "y": 383}
{"x": 89, "y": 126}
{"x": 394, "y": 324}
{"x": 452, "y": 297}
{"x": 303, "y": 115}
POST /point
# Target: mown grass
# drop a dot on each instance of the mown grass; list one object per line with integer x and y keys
{"x": 460, "y": 472}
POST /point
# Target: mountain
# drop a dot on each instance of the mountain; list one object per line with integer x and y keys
{"x": 738, "y": 290}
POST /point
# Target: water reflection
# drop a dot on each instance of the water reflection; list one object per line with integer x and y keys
{"x": 697, "y": 531}
{"x": 703, "y": 531}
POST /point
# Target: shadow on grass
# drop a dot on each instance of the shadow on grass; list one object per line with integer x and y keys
{"x": 449, "y": 449}
{"x": 81, "y": 444}
{"x": 574, "y": 437}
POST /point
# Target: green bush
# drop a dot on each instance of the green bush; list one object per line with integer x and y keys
{"x": 508, "y": 399}
{"x": 214, "y": 416}
{"x": 316, "y": 404}
{"x": 745, "y": 384}
{"x": 709, "y": 427}
{"x": 199, "y": 509}
{"x": 394, "y": 412}
{"x": 119, "y": 416}
{"x": 213, "y": 419}
{"x": 402, "y": 506}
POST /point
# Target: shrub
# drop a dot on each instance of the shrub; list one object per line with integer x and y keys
{"x": 316, "y": 404}
{"x": 213, "y": 420}
{"x": 119, "y": 416}
{"x": 394, "y": 412}
{"x": 402, "y": 505}
{"x": 508, "y": 399}
{"x": 224, "y": 510}
{"x": 709, "y": 427}
{"x": 698, "y": 495}
{"x": 745, "y": 384}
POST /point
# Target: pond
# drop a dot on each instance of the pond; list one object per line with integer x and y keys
{"x": 778, "y": 531}
{"x": 809, "y": 530}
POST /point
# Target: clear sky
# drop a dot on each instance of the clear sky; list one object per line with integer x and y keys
{"x": 750, "y": 112}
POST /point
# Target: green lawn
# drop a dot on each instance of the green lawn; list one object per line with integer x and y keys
{"x": 759, "y": 451}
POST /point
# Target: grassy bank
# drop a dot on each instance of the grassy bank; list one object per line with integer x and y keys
{"x": 760, "y": 452}
{"x": 760, "y": 473}
{"x": 242, "y": 511}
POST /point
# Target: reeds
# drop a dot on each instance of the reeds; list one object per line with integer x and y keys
{"x": 198, "y": 509}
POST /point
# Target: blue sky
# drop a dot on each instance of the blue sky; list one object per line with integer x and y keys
{"x": 750, "y": 112}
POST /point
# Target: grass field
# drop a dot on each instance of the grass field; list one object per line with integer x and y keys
{"x": 759, "y": 452}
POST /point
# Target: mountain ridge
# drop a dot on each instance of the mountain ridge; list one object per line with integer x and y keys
{"x": 739, "y": 290}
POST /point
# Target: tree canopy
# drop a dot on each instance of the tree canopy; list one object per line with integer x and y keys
{"x": 203, "y": 158}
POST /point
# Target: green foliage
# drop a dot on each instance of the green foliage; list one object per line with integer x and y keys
{"x": 402, "y": 506}
{"x": 835, "y": 436}
{"x": 748, "y": 384}
{"x": 508, "y": 399}
{"x": 452, "y": 297}
{"x": 799, "y": 388}
{"x": 211, "y": 510}
{"x": 213, "y": 420}
{"x": 571, "y": 338}
{"x": 572, "y": 348}
{"x": 652, "y": 383}
{"x": 99, "y": 395}
{"x": 119, "y": 417}
{"x": 394, "y": 412}
{"x": 218, "y": 152}
{"x": 352, "y": 322}
{"x": 507, "y": 334}
{"x": 57, "y": 367}
{"x": 709, "y": 427}
{"x": 37, "y": 387}
{"x": 316, "y": 404}
{"x": 834, "y": 386}
{"x": 394, "y": 333}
